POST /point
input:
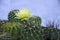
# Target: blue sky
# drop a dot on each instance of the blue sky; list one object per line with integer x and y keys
{"x": 46, "y": 9}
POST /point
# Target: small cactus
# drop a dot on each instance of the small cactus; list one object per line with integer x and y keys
{"x": 11, "y": 15}
{"x": 12, "y": 28}
{"x": 34, "y": 20}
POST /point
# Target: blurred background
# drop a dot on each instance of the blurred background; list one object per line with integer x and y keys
{"x": 46, "y": 9}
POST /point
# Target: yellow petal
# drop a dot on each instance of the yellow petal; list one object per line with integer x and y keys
{"x": 23, "y": 14}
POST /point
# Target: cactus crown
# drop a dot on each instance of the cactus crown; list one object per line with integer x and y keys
{"x": 11, "y": 15}
{"x": 19, "y": 14}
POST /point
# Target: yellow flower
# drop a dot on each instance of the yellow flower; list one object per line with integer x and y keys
{"x": 23, "y": 14}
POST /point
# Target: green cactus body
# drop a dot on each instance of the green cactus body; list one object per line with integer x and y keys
{"x": 11, "y": 15}
{"x": 34, "y": 20}
{"x": 12, "y": 28}
{"x": 31, "y": 34}
{"x": 32, "y": 31}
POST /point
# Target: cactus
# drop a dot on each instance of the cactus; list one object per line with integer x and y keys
{"x": 29, "y": 30}
{"x": 51, "y": 30}
{"x": 32, "y": 29}
{"x": 11, "y": 15}
{"x": 12, "y": 28}
{"x": 34, "y": 20}
{"x": 19, "y": 15}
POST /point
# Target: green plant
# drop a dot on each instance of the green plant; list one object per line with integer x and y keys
{"x": 16, "y": 15}
{"x": 34, "y": 20}
{"x": 22, "y": 29}
{"x": 51, "y": 30}
{"x": 11, "y": 15}
{"x": 29, "y": 30}
{"x": 32, "y": 29}
{"x": 12, "y": 28}
{"x": 1, "y": 23}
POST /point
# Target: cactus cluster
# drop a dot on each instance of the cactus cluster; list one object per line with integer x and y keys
{"x": 29, "y": 29}
{"x": 21, "y": 26}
